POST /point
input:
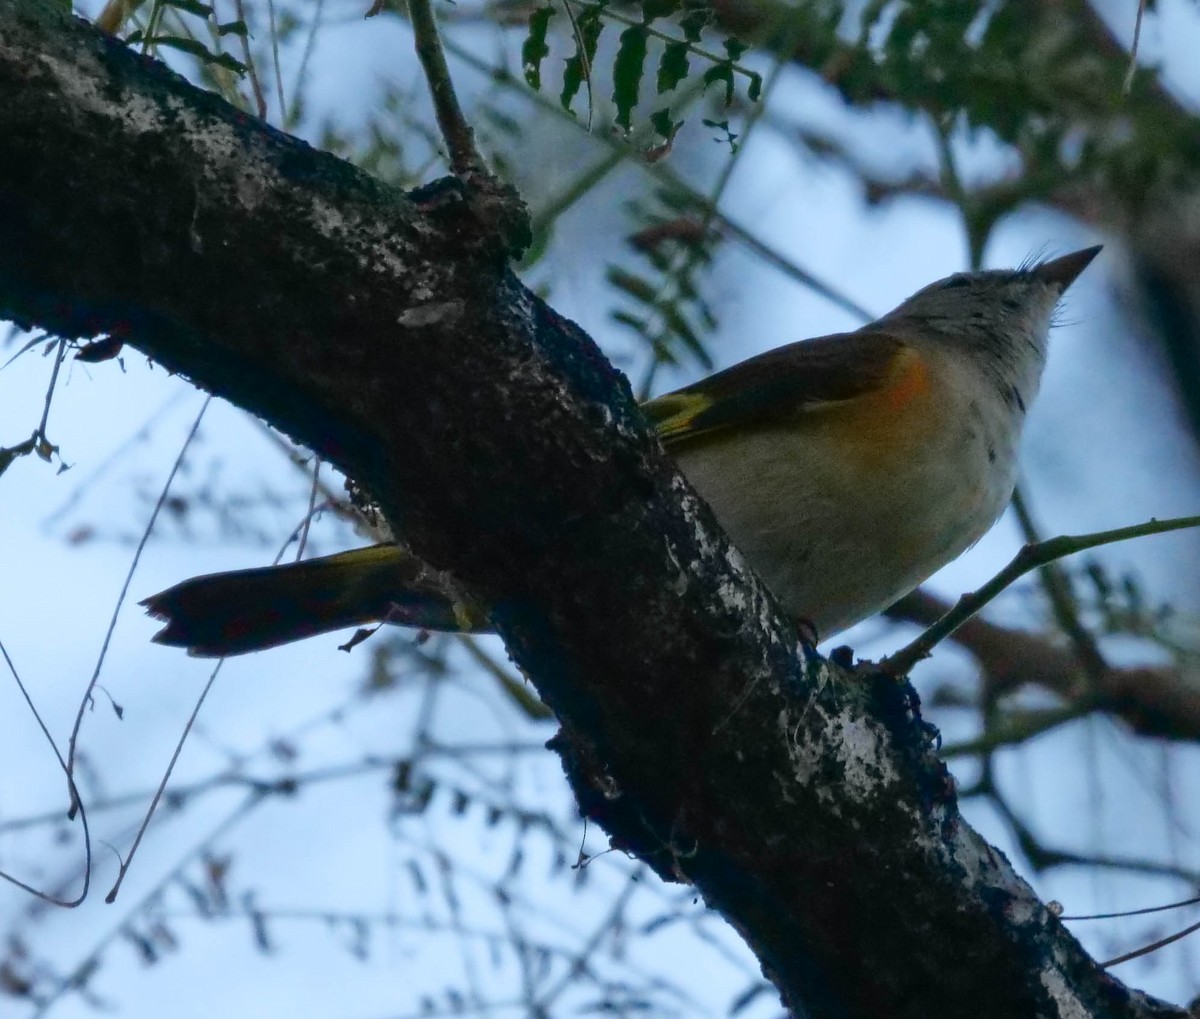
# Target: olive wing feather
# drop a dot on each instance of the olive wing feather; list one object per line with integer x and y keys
{"x": 778, "y": 386}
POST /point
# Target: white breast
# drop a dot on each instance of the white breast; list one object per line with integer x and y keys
{"x": 838, "y": 539}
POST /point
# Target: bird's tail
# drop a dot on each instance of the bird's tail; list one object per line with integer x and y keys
{"x": 248, "y": 610}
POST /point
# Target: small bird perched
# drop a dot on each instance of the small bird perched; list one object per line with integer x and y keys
{"x": 847, "y": 469}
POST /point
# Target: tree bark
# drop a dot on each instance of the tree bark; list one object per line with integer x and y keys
{"x": 388, "y": 333}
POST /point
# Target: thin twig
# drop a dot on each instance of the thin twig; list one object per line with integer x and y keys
{"x": 312, "y": 509}
{"x": 117, "y": 456}
{"x": 127, "y": 860}
{"x": 86, "y": 699}
{"x": 977, "y": 230}
{"x": 1154, "y": 946}
{"x": 73, "y": 792}
{"x": 1029, "y": 558}
{"x": 59, "y": 356}
{"x": 1144, "y": 911}
{"x": 585, "y": 63}
{"x": 1016, "y": 729}
{"x": 465, "y": 160}
{"x": 521, "y": 695}
{"x": 77, "y": 977}
{"x": 260, "y": 100}
{"x": 1153, "y": 700}
{"x": 1057, "y": 586}
{"x": 275, "y": 59}
{"x": 290, "y": 116}
{"x": 1133, "y": 50}
{"x": 223, "y": 781}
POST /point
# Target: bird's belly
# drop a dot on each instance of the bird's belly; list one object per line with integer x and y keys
{"x": 840, "y": 538}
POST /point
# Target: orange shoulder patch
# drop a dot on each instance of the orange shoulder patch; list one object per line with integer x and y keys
{"x": 908, "y": 381}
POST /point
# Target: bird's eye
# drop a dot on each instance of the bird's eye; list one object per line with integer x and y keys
{"x": 959, "y": 280}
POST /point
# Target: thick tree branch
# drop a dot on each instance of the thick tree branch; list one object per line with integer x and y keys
{"x": 388, "y": 333}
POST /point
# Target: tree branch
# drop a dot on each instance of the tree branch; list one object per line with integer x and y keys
{"x": 390, "y": 336}
{"x": 1029, "y": 558}
{"x": 1153, "y": 700}
{"x": 465, "y": 160}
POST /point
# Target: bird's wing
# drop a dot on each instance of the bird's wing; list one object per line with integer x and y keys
{"x": 787, "y": 384}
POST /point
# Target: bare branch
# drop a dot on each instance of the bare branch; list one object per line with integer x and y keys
{"x": 1028, "y": 559}
{"x": 1153, "y": 700}
{"x": 465, "y": 160}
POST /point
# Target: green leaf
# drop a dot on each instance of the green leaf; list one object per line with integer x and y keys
{"x": 534, "y": 49}
{"x": 662, "y": 123}
{"x": 672, "y": 67}
{"x": 735, "y": 48}
{"x": 537, "y": 246}
{"x": 191, "y": 7}
{"x": 652, "y": 10}
{"x": 627, "y": 72}
{"x": 674, "y": 318}
{"x": 754, "y": 89}
{"x": 676, "y": 324}
{"x": 200, "y": 52}
{"x": 626, "y": 318}
{"x": 635, "y": 286}
{"x": 579, "y": 64}
{"x": 660, "y": 259}
{"x": 696, "y": 19}
{"x": 723, "y": 126}
{"x": 722, "y": 72}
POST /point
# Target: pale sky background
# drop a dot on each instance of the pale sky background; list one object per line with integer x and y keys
{"x": 1101, "y": 450}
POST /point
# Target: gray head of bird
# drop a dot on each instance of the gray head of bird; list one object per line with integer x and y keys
{"x": 1005, "y": 313}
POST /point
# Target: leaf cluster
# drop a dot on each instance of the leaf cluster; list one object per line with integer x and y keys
{"x": 682, "y": 39}
{"x": 155, "y": 36}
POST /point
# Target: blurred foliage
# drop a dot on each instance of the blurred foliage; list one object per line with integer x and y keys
{"x": 1046, "y": 79}
{"x": 664, "y": 303}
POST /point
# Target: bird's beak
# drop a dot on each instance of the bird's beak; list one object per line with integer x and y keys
{"x": 1062, "y": 271}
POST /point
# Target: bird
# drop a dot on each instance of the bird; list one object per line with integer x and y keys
{"x": 847, "y": 469}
